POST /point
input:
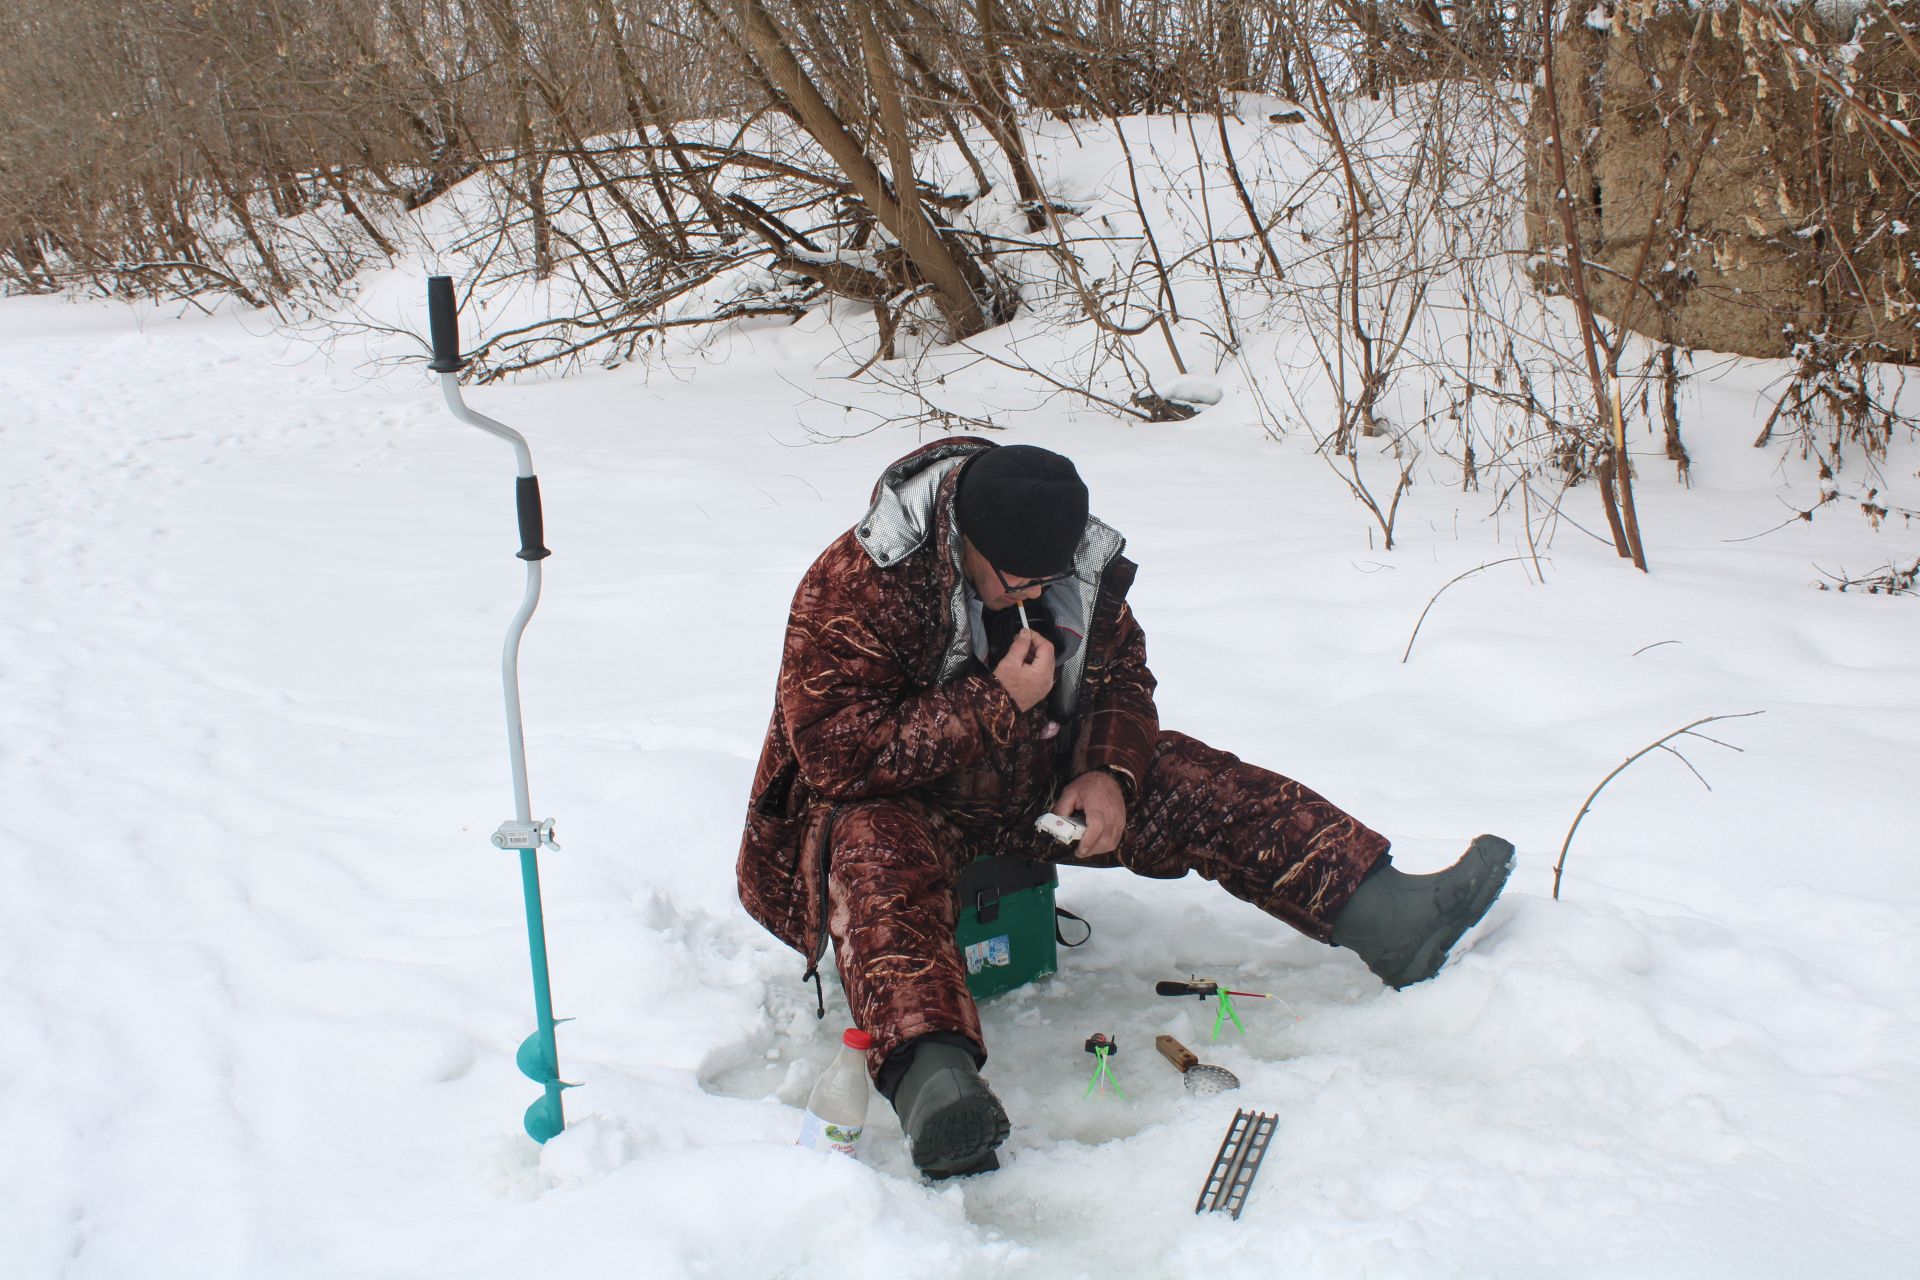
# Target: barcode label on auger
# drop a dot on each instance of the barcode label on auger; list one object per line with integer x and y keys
{"x": 1240, "y": 1154}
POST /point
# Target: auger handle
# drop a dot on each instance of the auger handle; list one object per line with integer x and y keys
{"x": 444, "y": 318}
{"x": 526, "y": 496}
{"x": 1176, "y": 1053}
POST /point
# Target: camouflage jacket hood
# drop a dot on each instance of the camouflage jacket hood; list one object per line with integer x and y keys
{"x": 879, "y": 693}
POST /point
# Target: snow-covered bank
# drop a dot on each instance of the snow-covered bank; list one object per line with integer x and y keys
{"x": 264, "y": 976}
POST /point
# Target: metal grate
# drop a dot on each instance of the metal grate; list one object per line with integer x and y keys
{"x": 1239, "y": 1159}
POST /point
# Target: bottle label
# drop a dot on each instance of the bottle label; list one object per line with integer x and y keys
{"x": 823, "y": 1135}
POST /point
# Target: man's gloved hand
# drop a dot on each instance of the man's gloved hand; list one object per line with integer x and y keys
{"x": 1097, "y": 798}
{"x": 1027, "y": 671}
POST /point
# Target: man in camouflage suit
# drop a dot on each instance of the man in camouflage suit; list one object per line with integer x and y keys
{"x": 919, "y": 725}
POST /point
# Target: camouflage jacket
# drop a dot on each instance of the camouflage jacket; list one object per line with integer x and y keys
{"x": 879, "y": 693}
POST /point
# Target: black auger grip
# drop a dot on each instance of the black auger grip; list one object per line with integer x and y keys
{"x": 526, "y": 497}
{"x": 444, "y": 317}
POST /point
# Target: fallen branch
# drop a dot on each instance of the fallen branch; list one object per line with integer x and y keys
{"x": 1682, "y": 731}
{"x": 1892, "y": 580}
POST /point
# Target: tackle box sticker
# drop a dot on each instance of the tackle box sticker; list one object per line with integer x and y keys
{"x": 989, "y": 952}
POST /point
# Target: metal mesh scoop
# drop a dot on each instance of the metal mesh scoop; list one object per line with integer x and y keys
{"x": 1203, "y": 1079}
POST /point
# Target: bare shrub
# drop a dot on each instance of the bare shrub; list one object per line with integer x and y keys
{"x": 609, "y": 174}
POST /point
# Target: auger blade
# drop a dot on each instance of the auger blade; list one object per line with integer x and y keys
{"x": 544, "y": 1118}
{"x": 536, "y": 1062}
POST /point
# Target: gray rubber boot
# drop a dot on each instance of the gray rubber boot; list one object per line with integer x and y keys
{"x": 1403, "y": 926}
{"x": 952, "y": 1120}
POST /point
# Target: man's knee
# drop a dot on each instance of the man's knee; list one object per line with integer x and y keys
{"x": 882, "y": 831}
{"x": 1177, "y": 757}
{"x": 889, "y": 851}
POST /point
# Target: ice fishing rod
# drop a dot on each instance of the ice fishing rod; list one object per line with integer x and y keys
{"x": 1102, "y": 1046}
{"x": 1224, "y": 1012}
{"x": 1200, "y": 990}
{"x": 538, "y": 1056}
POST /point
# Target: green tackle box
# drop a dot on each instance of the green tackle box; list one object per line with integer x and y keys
{"x": 1006, "y": 931}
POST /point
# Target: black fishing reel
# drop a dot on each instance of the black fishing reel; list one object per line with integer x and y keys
{"x": 1099, "y": 1042}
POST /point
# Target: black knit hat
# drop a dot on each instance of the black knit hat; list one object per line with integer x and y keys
{"x": 1024, "y": 509}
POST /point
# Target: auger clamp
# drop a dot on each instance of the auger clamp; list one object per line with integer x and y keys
{"x": 525, "y": 835}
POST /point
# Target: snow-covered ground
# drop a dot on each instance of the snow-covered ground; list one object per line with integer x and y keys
{"x": 264, "y": 975}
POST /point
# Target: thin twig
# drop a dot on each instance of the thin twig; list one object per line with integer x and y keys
{"x": 1690, "y": 769}
{"x": 1795, "y": 518}
{"x": 1436, "y": 595}
{"x": 1686, "y": 729}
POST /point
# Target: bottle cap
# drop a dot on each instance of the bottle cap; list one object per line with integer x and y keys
{"x": 855, "y": 1038}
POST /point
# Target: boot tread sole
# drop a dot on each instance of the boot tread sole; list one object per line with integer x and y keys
{"x": 960, "y": 1137}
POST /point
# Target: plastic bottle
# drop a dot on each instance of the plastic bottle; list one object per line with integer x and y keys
{"x": 837, "y": 1107}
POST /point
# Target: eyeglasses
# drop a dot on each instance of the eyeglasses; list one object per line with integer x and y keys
{"x": 1030, "y": 583}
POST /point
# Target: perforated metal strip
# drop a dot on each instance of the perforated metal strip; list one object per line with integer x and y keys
{"x": 1241, "y": 1152}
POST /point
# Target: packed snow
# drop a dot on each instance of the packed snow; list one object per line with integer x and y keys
{"x": 264, "y": 974}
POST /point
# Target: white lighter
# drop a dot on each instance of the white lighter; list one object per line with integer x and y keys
{"x": 1064, "y": 829}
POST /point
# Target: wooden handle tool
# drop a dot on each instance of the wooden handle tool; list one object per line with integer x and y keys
{"x": 1176, "y": 1053}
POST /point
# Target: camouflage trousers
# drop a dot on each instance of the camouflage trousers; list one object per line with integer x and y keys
{"x": 895, "y": 862}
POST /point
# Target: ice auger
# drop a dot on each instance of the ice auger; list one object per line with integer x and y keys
{"x": 538, "y": 1057}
